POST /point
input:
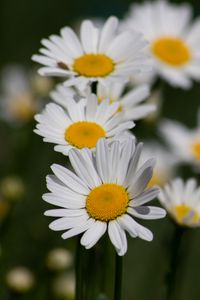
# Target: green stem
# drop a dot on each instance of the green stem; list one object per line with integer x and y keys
{"x": 174, "y": 261}
{"x": 79, "y": 272}
{"x": 118, "y": 277}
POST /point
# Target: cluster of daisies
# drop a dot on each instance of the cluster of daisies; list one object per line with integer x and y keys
{"x": 108, "y": 72}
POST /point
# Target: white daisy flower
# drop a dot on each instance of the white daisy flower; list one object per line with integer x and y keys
{"x": 107, "y": 191}
{"x": 174, "y": 40}
{"x": 102, "y": 55}
{"x": 81, "y": 124}
{"x": 184, "y": 142}
{"x": 165, "y": 163}
{"x": 131, "y": 103}
{"x": 182, "y": 201}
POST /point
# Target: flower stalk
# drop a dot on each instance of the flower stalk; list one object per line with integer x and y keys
{"x": 118, "y": 277}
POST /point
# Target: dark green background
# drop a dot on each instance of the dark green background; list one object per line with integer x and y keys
{"x": 25, "y": 237}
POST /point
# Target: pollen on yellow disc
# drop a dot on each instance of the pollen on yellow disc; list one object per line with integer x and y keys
{"x": 107, "y": 202}
{"x": 196, "y": 149}
{"x": 183, "y": 211}
{"x": 93, "y": 65}
{"x": 171, "y": 50}
{"x": 84, "y": 134}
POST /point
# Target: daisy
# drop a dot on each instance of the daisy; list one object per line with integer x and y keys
{"x": 174, "y": 41}
{"x": 163, "y": 172}
{"x": 184, "y": 142}
{"x": 101, "y": 55}
{"x": 81, "y": 124}
{"x": 131, "y": 103}
{"x": 106, "y": 192}
{"x": 182, "y": 201}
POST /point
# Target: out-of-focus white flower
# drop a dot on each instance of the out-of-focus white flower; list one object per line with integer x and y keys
{"x": 17, "y": 102}
{"x": 81, "y": 124}
{"x": 182, "y": 201}
{"x": 20, "y": 279}
{"x": 64, "y": 286}
{"x": 107, "y": 192}
{"x": 12, "y": 188}
{"x": 100, "y": 54}
{"x": 155, "y": 99}
{"x": 41, "y": 86}
{"x": 165, "y": 163}
{"x": 185, "y": 142}
{"x": 59, "y": 259}
{"x": 174, "y": 41}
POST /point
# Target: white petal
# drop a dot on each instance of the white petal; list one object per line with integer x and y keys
{"x": 102, "y": 160}
{"x": 72, "y": 41}
{"x": 126, "y": 223}
{"x": 108, "y": 33}
{"x": 70, "y": 179}
{"x": 93, "y": 234}
{"x": 78, "y": 230}
{"x": 117, "y": 237}
{"x": 134, "y": 163}
{"x": 64, "y": 202}
{"x": 67, "y": 222}
{"x": 140, "y": 182}
{"x": 83, "y": 168}
{"x": 145, "y": 197}
{"x": 126, "y": 154}
{"x": 89, "y": 37}
{"x": 64, "y": 212}
{"x": 147, "y": 212}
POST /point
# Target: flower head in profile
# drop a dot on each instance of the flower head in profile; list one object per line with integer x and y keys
{"x": 131, "y": 104}
{"x": 174, "y": 41}
{"x": 80, "y": 124}
{"x": 100, "y": 54}
{"x": 185, "y": 142}
{"x": 107, "y": 191}
{"x": 182, "y": 201}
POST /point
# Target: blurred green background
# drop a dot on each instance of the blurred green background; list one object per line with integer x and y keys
{"x": 25, "y": 239}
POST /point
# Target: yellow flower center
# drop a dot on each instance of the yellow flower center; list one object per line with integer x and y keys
{"x": 196, "y": 149}
{"x": 84, "y": 134}
{"x": 171, "y": 50}
{"x": 93, "y": 65}
{"x": 182, "y": 211}
{"x": 107, "y": 202}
